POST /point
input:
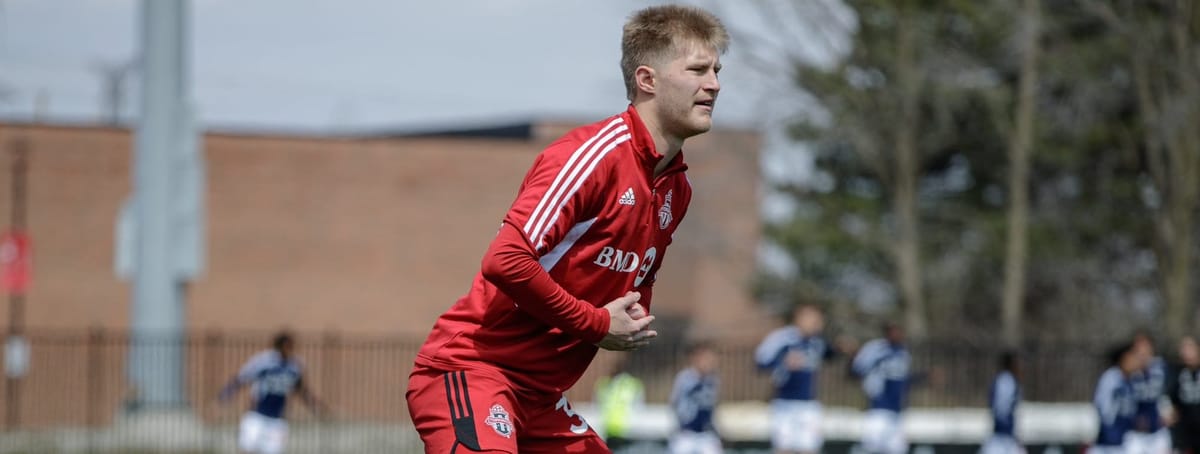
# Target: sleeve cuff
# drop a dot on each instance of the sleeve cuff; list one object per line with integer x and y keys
{"x": 599, "y": 326}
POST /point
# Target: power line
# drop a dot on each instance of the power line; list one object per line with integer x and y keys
{"x": 112, "y": 87}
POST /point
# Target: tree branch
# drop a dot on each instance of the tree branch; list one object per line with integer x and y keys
{"x": 1105, "y": 12}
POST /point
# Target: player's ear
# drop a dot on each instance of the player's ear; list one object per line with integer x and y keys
{"x": 646, "y": 79}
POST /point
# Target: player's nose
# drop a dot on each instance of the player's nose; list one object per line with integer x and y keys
{"x": 711, "y": 84}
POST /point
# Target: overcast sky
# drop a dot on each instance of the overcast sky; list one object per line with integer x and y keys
{"x": 355, "y": 65}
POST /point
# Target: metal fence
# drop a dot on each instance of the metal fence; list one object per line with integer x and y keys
{"x": 952, "y": 373}
{"x": 76, "y": 395}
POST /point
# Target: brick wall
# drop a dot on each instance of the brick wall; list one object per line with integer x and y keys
{"x": 357, "y": 236}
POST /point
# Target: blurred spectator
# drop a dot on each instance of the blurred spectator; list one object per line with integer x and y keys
{"x": 1003, "y": 399}
{"x": 1148, "y": 434}
{"x": 793, "y": 354}
{"x": 619, "y": 398}
{"x": 694, "y": 401}
{"x": 1115, "y": 401}
{"x": 1183, "y": 388}
{"x": 272, "y": 375}
{"x": 885, "y": 367}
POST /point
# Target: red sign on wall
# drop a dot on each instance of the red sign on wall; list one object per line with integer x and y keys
{"x": 15, "y": 268}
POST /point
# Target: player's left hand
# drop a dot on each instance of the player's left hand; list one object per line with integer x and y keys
{"x": 624, "y": 332}
{"x": 636, "y": 312}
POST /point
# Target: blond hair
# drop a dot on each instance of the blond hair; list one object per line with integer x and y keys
{"x": 652, "y": 34}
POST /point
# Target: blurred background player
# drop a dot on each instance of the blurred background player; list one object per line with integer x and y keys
{"x": 1115, "y": 401}
{"x": 620, "y": 397}
{"x": 272, "y": 375}
{"x": 1148, "y": 435}
{"x": 885, "y": 367}
{"x": 1183, "y": 388}
{"x": 694, "y": 400}
{"x": 793, "y": 354}
{"x": 1003, "y": 398}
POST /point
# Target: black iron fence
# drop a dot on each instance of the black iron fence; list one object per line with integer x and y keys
{"x": 951, "y": 373}
{"x": 76, "y": 394}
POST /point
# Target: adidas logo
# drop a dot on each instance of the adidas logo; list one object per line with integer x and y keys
{"x": 627, "y": 198}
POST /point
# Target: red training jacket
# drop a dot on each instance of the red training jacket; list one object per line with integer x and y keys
{"x": 590, "y": 223}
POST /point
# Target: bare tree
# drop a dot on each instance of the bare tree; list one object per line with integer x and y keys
{"x": 1019, "y": 151}
{"x": 1163, "y": 39}
{"x": 907, "y": 248}
{"x": 873, "y": 97}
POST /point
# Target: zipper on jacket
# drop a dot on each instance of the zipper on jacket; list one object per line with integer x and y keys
{"x": 653, "y": 206}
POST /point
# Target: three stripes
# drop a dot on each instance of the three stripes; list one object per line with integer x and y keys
{"x": 571, "y": 177}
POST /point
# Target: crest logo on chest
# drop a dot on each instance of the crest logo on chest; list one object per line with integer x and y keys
{"x": 664, "y": 213}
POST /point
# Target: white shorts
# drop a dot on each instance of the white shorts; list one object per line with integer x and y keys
{"x": 1001, "y": 444}
{"x": 1158, "y": 442}
{"x": 796, "y": 425}
{"x": 688, "y": 442}
{"x": 883, "y": 433}
{"x": 261, "y": 434}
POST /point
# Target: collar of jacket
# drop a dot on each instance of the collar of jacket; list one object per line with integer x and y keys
{"x": 643, "y": 145}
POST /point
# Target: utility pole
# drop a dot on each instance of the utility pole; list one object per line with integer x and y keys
{"x": 164, "y": 249}
{"x": 14, "y": 252}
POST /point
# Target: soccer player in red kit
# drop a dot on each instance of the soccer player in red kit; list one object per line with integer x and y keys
{"x": 572, "y": 268}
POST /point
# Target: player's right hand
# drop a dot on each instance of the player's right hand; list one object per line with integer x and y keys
{"x": 624, "y": 332}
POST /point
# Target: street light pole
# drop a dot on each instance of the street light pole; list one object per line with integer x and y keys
{"x": 16, "y": 348}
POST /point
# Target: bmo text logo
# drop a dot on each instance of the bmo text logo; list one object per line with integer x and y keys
{"x": 627, "y": 261}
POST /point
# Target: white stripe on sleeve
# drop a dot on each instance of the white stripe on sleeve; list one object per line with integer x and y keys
{"x": 778, "y": 340}
{"x": 1006, "y": 393}
{"x": 566, "y": 175}
{"x": 1105, "y": 399}
{"x": 259, "y": 362}
{"x": 870, "y": 354}
{"x": 551, "y": 258}
{"x": 541, "y": 232}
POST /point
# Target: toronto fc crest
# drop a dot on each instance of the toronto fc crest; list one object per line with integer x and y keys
{"x": 664, "y": 213}
{"x": 498, "y": 420}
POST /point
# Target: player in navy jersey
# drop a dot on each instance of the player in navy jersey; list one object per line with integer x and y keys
{"x": 1003, "y": 399}
{"x": 694, "y": 401}
{"x": 1115, "y": 401}
{"x": 885, "y": 367}
{"x": 1183, "y": 388}
{"x": 793, "y": 355}
{"x": 1149, "y": 435}
{"x": 272, "y": 375}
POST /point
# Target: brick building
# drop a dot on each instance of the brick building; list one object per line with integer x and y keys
{"x": 367, "y": 235}
{"x": 356, "y": 243}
